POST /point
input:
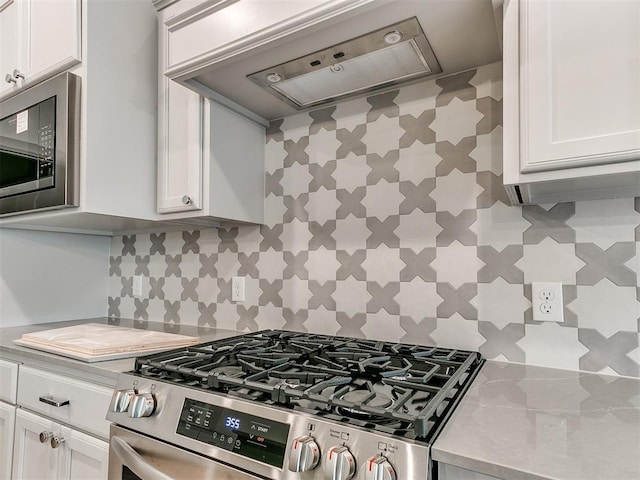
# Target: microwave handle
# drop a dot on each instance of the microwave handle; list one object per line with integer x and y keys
{"x": 135, "y": 462}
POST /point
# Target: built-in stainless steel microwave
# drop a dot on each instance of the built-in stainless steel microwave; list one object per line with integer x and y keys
{"x": 39, "y": 147}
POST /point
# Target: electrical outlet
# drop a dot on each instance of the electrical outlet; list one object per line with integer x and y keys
{"x": 237, "y": 289}
{"x": 546, "y": 300}
{"x": 137, "y": 286}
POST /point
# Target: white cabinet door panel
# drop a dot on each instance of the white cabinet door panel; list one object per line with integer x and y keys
{"x": 580, "y": 83}
{"x": 54, "y": 42}
{"x": 12, "y": 38}
{"x": 33, "y": 460}
{"x": 180, "y": 148}
{"x": 7, "y": 424}
{"x": 86, "y": 458}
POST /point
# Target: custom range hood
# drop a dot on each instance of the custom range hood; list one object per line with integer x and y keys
{"x": 386, "y": 57}
{"x": 329, "y": 50}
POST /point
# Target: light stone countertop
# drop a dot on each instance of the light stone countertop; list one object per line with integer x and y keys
{"x": 520, "y": 422}
{"x": 105, "y": 372}
{"x": 516, "y": 422}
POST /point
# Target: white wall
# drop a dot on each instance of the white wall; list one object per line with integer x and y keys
{"x": 48, "y": 277}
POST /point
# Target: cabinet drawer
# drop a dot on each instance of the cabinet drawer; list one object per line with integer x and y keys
{"x": 8, "y": 381}
{"x": 87, "y": 407}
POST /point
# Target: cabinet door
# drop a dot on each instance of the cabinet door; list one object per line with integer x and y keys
{"x": 11, "y": 41}
{"x": 7, "y": 423}
{"x": 54, "y": 41}
{"x": 33, "y": 460}
{"x": 85, "y": 457}
{"x": 580, "y": 83}
{"x": 180, "y": 148}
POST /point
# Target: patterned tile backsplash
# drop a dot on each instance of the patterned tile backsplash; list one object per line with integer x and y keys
{"x": 386, "y": 218}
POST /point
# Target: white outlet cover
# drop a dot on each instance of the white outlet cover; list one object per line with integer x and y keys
{"x": 237, "y": 289}
{"x": 547, "y": 302}
{"x": 137, "y": 286}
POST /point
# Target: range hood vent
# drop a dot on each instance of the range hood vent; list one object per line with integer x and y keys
{"x": 379, "y": 59}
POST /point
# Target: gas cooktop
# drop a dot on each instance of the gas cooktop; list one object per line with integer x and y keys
{"x": 256, "y": 399}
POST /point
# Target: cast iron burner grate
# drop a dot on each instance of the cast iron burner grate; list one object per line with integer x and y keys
{"x": 402, "y": 389}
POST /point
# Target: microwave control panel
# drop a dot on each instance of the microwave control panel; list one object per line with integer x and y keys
{"x": 47, "y": 145}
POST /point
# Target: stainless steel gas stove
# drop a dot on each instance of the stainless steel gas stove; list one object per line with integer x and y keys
{"x": 284, "y": 405}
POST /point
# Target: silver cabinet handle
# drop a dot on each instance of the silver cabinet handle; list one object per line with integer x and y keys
{"x": 56, "y": 441}
{"x": 9, "y": 78}
{"x": 17, "y": 74}
{"x": 44, "y": 436}
{"x": 56, "y": 402}
{"x": 187, "y": 200}
{"x": 134, "y": 461}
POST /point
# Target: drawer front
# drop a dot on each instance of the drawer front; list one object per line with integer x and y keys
{"x": 87, "y": 403}
{"x": 8, "y": 381}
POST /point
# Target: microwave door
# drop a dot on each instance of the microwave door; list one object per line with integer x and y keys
{"x": 18, "y": 168}
{"x": 26, "y": 156}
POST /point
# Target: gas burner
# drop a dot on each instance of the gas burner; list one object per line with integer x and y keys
{"x": 362, "y": 399}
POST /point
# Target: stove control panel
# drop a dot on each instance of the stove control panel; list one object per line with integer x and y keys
{"x": 248, "y": 435}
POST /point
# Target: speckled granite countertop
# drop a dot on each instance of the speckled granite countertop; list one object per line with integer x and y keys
{"x": 107, "y": 370}
{"x": 521, "y": 422}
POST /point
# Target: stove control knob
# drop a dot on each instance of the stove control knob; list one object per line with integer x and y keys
{"x": 305, "y": 454}
{"x": 142, "y": 405}
{"x": 120, "y": 400}
{"x": 379, "y": 468}
{"x": 339, "y": 464}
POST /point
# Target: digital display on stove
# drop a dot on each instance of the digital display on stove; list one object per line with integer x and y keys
{"x": 247, "y": 435}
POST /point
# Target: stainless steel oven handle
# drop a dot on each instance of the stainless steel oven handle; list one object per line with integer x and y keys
{"x": 135, "y": 462}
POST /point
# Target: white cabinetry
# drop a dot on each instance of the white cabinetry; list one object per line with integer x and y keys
{"x": 212, "y": 30}
{"x": 76, "y": 456}
{"x": 39, "y": 39}
{"x": 81, "y": 407}
{"x": 210, "y": 159}
{"x": 7, "y": 422}
{"x": 10, "y": 39}
{"x": 571, "y": 96}
{"x": 8, "y": 389}
{"x": 84, "y": 399}
{"x": 118, "y": 111}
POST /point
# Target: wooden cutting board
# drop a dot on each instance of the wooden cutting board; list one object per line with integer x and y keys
{"x": 93, "y": 342}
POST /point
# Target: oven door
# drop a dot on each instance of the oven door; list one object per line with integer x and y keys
{"x": 137, "y": 457}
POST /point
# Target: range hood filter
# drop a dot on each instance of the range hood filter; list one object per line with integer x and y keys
{"x": 364, "y": 64}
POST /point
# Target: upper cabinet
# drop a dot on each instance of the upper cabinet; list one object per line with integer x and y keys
{"x": 571, "y": 100}
{"x": 38, "y": 39}
{"x": 210, "y": 159}
{"x": 118, "y": 105}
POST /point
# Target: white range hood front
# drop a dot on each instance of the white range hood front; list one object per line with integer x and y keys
{"x": 278, "y": 72}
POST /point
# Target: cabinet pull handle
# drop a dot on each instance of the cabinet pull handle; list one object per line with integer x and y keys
{"x": 186, "y": 199}
{"x": 9, "y": 79}
{"x": 17, "y": 74}
{"x": 44, "y": 436}
{"x": 56, "y": 402}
